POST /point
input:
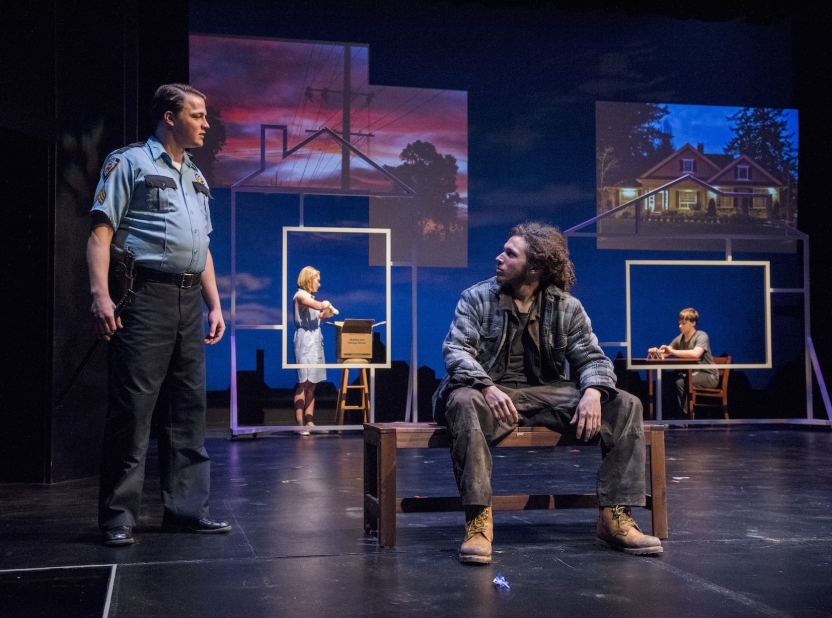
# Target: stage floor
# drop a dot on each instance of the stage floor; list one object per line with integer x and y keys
{"x": 750, "y": 513}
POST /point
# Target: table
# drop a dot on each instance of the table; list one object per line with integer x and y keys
{"x": 651, "y": 396}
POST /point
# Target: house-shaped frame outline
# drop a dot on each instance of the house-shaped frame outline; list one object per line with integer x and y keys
{"x": 241, "y": 186}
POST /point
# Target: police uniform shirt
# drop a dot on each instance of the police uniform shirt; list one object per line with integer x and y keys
{"x": 162, "y": 212}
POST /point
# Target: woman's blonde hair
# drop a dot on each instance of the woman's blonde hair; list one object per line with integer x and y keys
{"x": 307, "y": 274}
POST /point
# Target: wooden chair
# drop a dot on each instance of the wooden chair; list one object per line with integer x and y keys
{"x": 719, "y": 392}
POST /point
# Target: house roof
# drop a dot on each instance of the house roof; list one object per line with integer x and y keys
{"x": 720, "y": 159}
{"x": 721, "y": 164}
{"x": 687, "y": 149}
{"x": 325, "y": 148}
{"x": 725, "y": 175}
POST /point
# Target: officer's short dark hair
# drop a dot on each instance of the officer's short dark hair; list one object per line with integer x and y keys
{"x": 170, "y": 98}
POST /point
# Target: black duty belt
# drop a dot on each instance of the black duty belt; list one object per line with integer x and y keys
{"x": 180, "y": 280}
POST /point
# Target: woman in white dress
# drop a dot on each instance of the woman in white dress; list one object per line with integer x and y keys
{"x": 309, "y": 344}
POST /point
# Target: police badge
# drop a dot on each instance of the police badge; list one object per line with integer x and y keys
{"x": 109, "y": 167}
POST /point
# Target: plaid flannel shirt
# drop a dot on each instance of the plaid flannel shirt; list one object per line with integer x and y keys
{"x": 478, "y": 335}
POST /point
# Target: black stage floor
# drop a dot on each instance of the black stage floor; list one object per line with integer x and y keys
{"x": 750, "y": 535}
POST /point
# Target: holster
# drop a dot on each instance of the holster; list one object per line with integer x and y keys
{"x": 122, "y": 273}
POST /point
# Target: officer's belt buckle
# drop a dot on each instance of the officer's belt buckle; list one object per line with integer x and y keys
{"x": 187, "y": 280}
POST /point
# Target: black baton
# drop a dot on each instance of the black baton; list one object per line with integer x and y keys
{"x": 129, "y": 275}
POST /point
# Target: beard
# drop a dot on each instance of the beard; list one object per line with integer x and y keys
{"x": 511, "y": 282}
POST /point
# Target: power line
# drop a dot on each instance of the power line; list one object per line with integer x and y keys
{"x": 399, "y": 106}
{"x": 410, "y": 111}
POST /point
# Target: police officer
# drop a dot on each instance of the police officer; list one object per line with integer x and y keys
{"x": 153, "y": 200}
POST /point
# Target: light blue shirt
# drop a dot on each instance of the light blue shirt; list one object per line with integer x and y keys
{"x": 159, "y": 212}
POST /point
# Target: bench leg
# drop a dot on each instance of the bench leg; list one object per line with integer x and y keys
{"x": 658, "y": 485}
{"x": 370, "y": 479}
{"x": 386, "y": 486}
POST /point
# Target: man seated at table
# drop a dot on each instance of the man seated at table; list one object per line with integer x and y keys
{"x": 693, "y": 345}
{"x": 505, "y": 355}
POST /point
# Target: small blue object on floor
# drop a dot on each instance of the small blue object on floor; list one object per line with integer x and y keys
{"x": 501, "y": 582}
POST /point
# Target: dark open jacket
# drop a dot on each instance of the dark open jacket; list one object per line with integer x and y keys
{"x": 479, "y": 331}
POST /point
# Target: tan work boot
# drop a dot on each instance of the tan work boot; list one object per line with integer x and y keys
{"x": 479, "y": 532}
{"x": 617, "y": 530}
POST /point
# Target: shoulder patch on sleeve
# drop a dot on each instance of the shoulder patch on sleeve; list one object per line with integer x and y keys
{"x": 112, "y": 164}
{"x": 102, "y": 195}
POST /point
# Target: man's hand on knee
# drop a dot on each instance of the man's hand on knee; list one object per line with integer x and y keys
{"x": 588, "y": 415}
{"x": 502, "y": 407}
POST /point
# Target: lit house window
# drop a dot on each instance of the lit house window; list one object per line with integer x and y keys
{"x": 687, "y": 166}
{"x": 742, "y": 172}
{"x": 687, "y": 199}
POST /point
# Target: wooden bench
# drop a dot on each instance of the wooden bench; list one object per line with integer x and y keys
{"x": 381, "y": 504}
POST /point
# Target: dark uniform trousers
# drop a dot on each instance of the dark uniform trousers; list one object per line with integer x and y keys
{"x": 472, "y": 428}
{"x": 162, "y": 342}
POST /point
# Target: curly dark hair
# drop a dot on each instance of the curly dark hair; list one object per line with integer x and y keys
{"x": 547, "y": 251}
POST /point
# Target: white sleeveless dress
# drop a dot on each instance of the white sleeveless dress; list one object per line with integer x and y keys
{"x": 309, "y": 342}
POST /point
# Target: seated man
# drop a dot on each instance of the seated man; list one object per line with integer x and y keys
{"x": 694, "y": 345}
{"x": 505, "y": 355}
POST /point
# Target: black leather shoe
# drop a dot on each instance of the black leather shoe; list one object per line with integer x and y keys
{"x": 118, "y": 536}
{"x": 206, "y": 525}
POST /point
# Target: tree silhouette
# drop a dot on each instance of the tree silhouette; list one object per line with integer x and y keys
{"x": 605, "y": 162}
{"x": 635, "y": 135}
{"x": 215, "y": 137}
{"x": 762, "y": 134}
{"x": 433, "y": 177}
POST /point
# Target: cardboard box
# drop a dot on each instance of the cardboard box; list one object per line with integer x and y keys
{"x": 354, "y": 340}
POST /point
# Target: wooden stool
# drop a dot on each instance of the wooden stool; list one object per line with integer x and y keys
{"x": 363, "y": 386}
